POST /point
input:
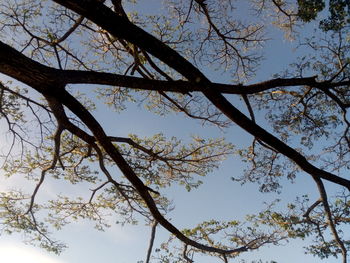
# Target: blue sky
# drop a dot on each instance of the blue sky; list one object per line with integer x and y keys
{"x": 219, "y": 197}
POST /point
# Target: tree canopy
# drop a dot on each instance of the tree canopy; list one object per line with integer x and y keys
{"x": 296, "y": 118}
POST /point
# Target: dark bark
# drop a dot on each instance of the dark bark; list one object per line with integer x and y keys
{"x": 122, "y": 28}
{"x": 51, "y": 82}
{"x": 30, "y": 72}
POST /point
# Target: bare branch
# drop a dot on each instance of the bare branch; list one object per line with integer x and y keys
{"x": 56, "y": 154}
{"x": 323, "y": 197}
{"x": 151, "y": 241}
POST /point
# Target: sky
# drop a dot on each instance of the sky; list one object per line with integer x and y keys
{"x": 219, "y": 196}
{"x": 13, "y": 252}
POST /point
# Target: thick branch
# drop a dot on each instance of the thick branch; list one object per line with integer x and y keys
{"x": 124, "y": 29}
{"x": 181, "y": 86}
{"x": 63, "y": 97}
{"x": 151, "y": 241}
{"x": 24, "y": 69}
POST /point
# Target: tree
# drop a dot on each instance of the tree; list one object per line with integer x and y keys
{"x": 159, "y": 60}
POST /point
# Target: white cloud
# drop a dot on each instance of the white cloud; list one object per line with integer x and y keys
{"x": 11, "y": 253}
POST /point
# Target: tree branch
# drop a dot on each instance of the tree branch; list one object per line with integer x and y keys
{"x": 61, "y": 96}
{"x": 30, "y": 72}
{"x": 124, "y": 29}
{"x": 324, "y": 199}
{"x": 151, "y": 242}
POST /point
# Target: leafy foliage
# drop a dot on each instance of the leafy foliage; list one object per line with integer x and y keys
{"x": 298, "y": 121}
{"x": 339, "y": 11}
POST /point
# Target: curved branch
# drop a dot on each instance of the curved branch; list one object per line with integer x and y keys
{"x": 85, "y": 116}
{"x": 56, "y": 157}
{"x": 324, "y": 199}
{"x": 124, "y": 29}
